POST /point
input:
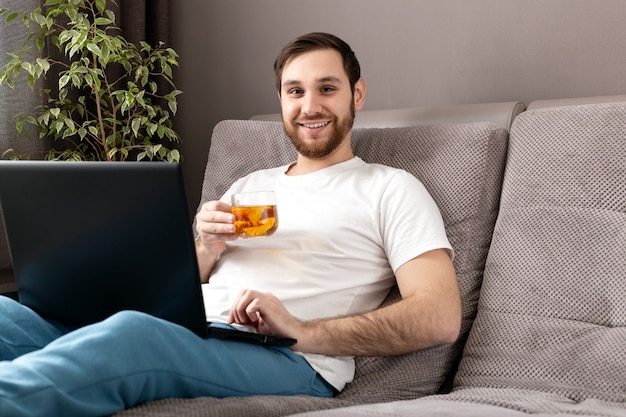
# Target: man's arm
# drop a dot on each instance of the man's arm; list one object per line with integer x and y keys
{"x": 429, "y": 314}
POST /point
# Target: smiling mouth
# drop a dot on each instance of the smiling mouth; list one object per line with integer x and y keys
{"x": 314, "y": 125}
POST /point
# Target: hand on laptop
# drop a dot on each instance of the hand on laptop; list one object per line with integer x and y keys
{"x": 265, "y": 312}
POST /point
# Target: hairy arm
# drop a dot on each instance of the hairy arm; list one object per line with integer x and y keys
{"x": 428, "y": 314}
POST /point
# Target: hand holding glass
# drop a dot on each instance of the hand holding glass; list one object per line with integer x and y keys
{"x": 255, "y": 213}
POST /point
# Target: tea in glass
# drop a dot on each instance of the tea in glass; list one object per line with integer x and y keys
{"x": 255, "y": 213}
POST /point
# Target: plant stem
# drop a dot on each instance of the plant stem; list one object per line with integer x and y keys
{"x": 103, "y": 138}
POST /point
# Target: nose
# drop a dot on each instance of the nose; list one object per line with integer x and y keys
{"x": 311, "y": 105}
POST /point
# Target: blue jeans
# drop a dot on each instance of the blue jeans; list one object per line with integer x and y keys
{"x": 128, "y": 359}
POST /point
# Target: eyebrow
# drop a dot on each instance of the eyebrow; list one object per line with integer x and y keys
{"x": 325, "y": 79}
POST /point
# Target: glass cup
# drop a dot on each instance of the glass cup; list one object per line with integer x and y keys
{"x": 255, "y": 213}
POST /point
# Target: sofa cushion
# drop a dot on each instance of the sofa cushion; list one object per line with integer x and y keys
{"x": 461, "y": 165}
{"x": 552, "y": 311}
{"x": 483, "y": 402}
{"x": 239, "y": 147}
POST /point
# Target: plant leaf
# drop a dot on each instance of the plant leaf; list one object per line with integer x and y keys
{"x": 174, "y": 156}
{"x": 173, "y": 106}
{"x": 103, "y": 21}
{"x": 94, "y": 48}
{"x": 64, "y": 80}
{"x": 43, "y": 64}
{"x": 135, "y": 124}
{"x": 11, "y": 16}
{"x": 101, "y": 5}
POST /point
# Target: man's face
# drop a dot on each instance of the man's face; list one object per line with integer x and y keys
{"x": 317, "y": 102}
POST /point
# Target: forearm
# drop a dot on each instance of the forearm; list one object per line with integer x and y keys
{"x": 392, "y": 330}
{"x": 206, "y": 261}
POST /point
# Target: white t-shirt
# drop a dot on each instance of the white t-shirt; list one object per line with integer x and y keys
{"x": 342, "y": 233}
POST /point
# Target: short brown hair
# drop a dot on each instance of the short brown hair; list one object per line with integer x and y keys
{"x": 315, "y": 41}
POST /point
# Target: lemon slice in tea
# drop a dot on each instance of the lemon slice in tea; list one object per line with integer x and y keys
{"x": 265, "y": 226}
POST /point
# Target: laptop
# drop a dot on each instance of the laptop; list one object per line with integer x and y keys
{"x": 89, "y": 239}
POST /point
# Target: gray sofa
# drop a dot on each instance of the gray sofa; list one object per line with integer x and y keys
{"x": 534, "y": 203}
{"x": 537, "y": 216}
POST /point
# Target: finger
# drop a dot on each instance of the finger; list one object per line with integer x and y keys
{"x": 233, "y": 315}
{"x": 215, "y": 212}
{"x": 216, "y": 205}
{"x": 215, "y": 218}
{"x": 253, "y": 312}
{"x": 262, "y": 326}
{"x": 238, "y": 312}
{"x": 216, "y": 228}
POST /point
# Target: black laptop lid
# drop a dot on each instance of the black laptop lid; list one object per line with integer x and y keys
{"x": 88, "y": 239}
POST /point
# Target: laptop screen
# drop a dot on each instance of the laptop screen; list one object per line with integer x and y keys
{"x": 88, "y": 239}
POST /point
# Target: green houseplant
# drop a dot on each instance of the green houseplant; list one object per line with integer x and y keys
{"x": 108, "y": 104}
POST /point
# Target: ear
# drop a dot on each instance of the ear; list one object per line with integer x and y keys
{"x": 359, "y": 94}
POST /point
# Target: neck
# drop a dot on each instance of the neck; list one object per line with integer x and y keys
{"x": 306, "y": 165}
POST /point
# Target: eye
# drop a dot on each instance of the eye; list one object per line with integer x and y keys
{"x": 296, "y": 92}
{"x": 328, "y": 89}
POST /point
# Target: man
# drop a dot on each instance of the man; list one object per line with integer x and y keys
{"x": 320, "y": 87}
{"x": 348, "y": 231}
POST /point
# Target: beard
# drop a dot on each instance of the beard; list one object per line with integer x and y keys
{"x": 321, "y": 148}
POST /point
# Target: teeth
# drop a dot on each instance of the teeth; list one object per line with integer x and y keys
{"x": 314, "y": 125}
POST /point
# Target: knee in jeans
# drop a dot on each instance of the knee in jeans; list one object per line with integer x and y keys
{"x": 131, "y": 323}
{"x": 12, "y": 310}
{"x": 7, "y": 303}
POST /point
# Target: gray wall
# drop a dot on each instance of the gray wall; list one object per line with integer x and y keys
{"x": 15, "y": 101}
{"x": 412, "y": 52}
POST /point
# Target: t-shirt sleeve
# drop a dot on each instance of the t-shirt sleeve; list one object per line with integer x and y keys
{"x": 410, "y": 221}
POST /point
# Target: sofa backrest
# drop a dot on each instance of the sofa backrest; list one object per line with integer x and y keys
{"x": 552, "y": 310}
{"x": 575, "y": 101}
{"x": 461, "y": 165}
{"x": 501, "y": 114}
